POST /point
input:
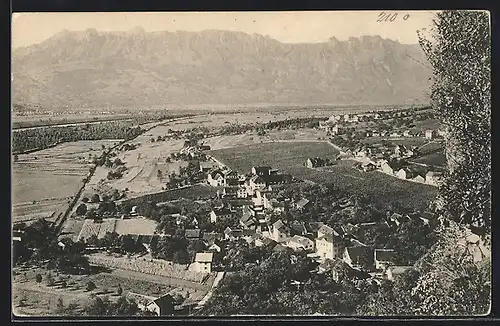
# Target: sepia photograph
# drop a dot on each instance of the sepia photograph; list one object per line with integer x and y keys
{"x": 264, "y": 163}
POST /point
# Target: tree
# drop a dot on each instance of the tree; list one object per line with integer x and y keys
{"x": 119, "y": 290}
{"x": 38, "y": 278}
{"x": 81, "y": 209}
{"x": 85, "y": 199}
{"x": 458, "y": 48}
{"x": 60, "y": 305}
{"x": 90, "y": 286}
{"x": 16, "y": 157}
{"x": 50, "y": 279}
{"x": 95, "y": 198}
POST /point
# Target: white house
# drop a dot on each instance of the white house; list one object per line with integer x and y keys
{"x": 298, "y": 242}
{"x": 329, "y": 246}
{"x": 215, "y": 178}
{"x": 203, "y": 262}
{"x": 220, "y": 213}
{"x": 404, "y": 174}
{"x": 395, "y": 271}
{"x": 261, "y": 170}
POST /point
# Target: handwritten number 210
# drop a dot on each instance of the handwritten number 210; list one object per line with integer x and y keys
{"x": 383, "y": 17}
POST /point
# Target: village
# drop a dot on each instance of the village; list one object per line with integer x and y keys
{"x": 254, "y": 209}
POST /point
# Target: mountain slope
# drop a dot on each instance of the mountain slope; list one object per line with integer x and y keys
{"x": 135, "y": 68}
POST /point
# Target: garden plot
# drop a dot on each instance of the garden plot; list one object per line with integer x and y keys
{"x": 138, "y": 226}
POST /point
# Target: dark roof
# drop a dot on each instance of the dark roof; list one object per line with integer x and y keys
{"x": 262, "y": 169}
{"x": 222, "y": 211}
{"x": 330, "y": 238}
{"x": 361, "y": 255}
{"x": 211, "y": 235}
{"x": 192, "y": 233}
{"x": 257, "y": 179}
{"x": 279, "y": 247}
{"x": 165, "y": 301}
{"x": 384, "y": 254}
{"x": 215, "y": 171}
{"x": 278, "y": 225}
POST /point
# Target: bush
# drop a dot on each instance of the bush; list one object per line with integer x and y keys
{"x": 81, "y": 209}
{"x": 95, "y": 198}
{"x": 90, "y": 286}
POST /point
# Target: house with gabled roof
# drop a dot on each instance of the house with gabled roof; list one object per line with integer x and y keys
{"x": 390, "y": 167}
{"x": 192, "y": 234}
{"x": 232, "y": 234}
{"x": 215, "y": 177}
{"x": 220, "y": 214}
{"x": 301, "y": 204}
{"x": 203, "y": 262}
{"x": 161, "y": 306}
{"x": 256, "y": 183}
{"x": 298, "y": 242}
{"x": 247, "y": 220}
{"x": 208, "y": 166}
{"x": 279, "y": 231}
{"x": 261, "y": 170}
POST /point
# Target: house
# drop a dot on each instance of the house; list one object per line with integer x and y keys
{"x": 203, "y": 261}
{"x": 215, "y": 178}
{"x": 363, "y": 152}
{"x": 231, "y": 178}
{"x": 279, "y": 231}
{"x": 230, "y": 234}
{"x": 298, "y": 242}
{"x": 405, "y": 173}
{"x": 192, "y": 234}
{"x": 335, "y": 130}
{"x": 133, "y": 211}
{"x": 430, "y": 134}
{"x": 402, "y": 151}
{"x": 230, "y": 192}
{"x": 161, "y": 306}
{"x": 329, "y": 246}
{"x": 419, "y": 179}
{"x": 297, "y": 228}
{"x": 220, "y": 213}
{"x": 389, "y": 167}
{"x": 215, "y": 247}
{"x": 315, "y": 162}
{"x": 257, "y": 183}
{"x": 433, "y": 178}
{"x": 210, "y": 237}
{"x": 395, "y": 219}
{"x": 301, "y": 203}
{"x": 407, "y": 133}
{"x": 264, "y": 242}
{"x": 359, "y": 256}
{"x": 325, "y": 230}
{"x": 204, "y": 147}
{"x": 393, "y": 272}
{"x": 368, "y": 166}
{"x": 383, "y": 258}
{"x": 261, "y": 170}
{"x": 247, "y": 220}
{"x": 207, "y": 166}
{"x": 241, "y": 192}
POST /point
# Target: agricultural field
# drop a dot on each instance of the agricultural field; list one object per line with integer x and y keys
{"x": 281, "y": 155}
{"x": 45, "y": 180}
{"x": 141, "y": 176}
{"x": 291, "y": 156}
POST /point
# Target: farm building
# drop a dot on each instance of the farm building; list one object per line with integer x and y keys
{"x": 390, "y": 167}
{"x": 315, "y": 162}
{"x": 256, "y": 183}
{"x": 298, "y": 242}
{"x": 405, "y": 173}
{"x": 419, "y": 179}
{"x": 203, "y": 262}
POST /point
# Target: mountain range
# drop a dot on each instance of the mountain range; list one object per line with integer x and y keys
{"x": 137, "y": 68}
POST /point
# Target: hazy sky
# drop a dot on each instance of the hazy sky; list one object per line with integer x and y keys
{"x": 292, "y": 27}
